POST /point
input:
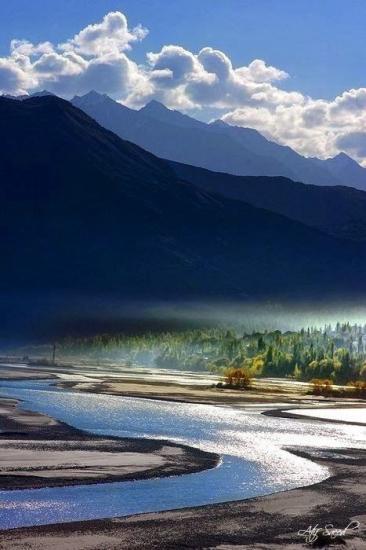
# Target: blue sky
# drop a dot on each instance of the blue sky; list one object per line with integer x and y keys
{"x": 320, "y": 43}
{"x": 293, "y": 69}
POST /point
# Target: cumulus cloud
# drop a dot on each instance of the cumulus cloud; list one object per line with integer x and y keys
{"x": 312, "y": 127}
{"x": 98, "y": 57}
{"x": 13, "y": 78}
{"x": 215, "y": 62}
{"x": 208, "y": 79}
{"x": 95, "y": 58}
{"x": 258, "y": 71}
{"x": 110, "y": 35}
{"x": 172, "y": 65}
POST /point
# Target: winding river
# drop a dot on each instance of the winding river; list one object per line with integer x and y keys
{"x": 252, "y": 446}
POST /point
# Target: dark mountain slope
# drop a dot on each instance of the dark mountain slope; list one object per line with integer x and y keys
{"x": 84, "y": 211}
{"x": 337, "y": 210}
{"x": 217, "y": 146}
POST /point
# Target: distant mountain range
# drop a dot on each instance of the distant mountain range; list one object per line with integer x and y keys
{"x": 337, "y": 210}
{"x": 216, "y": 146}
{"x": 85, "y": 211}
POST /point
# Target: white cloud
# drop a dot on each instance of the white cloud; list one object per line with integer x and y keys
{"x": 312, "y": 127}
{"x": 208, "y": 79}
{"x": 53, "y": 64}
{"x": 173, "y": 67}
{"x": 98, "y": 58}
{"x": 23, "y": 47}
{"x": 13, "y": 79}
{"x": 215, "y": 62}
{"x": 258, "y": 71}
{"x": 110, "y": 35}
{"x": 95, "y": 58}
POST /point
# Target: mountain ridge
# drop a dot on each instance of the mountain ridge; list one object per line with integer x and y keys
{"x": 85, "y": 211}
{"x": 337, "y": 210}
{"x": 218, "y": 146}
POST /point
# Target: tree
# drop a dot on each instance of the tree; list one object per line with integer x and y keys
{"x": 237, "y": 378}
{"x": 297, "y": 374}
{"x": 257, "y": 365}
{"x": 261, "y": 346}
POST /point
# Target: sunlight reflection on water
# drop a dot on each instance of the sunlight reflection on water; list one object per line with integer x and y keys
{"x": 252, "y": 446}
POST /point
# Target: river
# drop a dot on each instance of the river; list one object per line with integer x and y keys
{"x": 252, "y": 446}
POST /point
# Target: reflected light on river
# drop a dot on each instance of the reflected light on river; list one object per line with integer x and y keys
{"x": 252, "y": 446}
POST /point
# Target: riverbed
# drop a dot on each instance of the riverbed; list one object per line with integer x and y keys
{"x": 252, "y": 446}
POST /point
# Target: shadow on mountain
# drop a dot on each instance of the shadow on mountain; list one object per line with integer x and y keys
{"x": 86, "y": 212}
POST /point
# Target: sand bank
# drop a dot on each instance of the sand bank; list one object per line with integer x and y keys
{"x": 268, "y": 523}
{"x": 38, "y": 451}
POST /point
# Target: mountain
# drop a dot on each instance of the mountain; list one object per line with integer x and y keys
{"x": 217, "y": 146}
{"x": 347, "y": 170}
{"x": 182, "y": 139}
{"x": 41, "y": 93}
{"x": 336, "y": 210}
{"x": 86, "y": 212}
{"x": 294, "y": 166}
{"x": 158, "y": 111}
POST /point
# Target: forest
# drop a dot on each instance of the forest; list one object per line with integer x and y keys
{"x": 336, "y": 353}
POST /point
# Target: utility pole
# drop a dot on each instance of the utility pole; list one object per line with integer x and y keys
{"x": 54, "y": 354}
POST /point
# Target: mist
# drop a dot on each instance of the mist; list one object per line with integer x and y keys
{"x": 46, "y": 317}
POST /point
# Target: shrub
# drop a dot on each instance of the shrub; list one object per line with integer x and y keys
{"x": 322, "y": 386}
{"x": 359, "y": 388}
{"x": 237, "y": 378}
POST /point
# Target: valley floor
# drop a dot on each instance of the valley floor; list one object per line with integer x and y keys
{"x": 269, "y": 523}
{"x": 38, "y": 451}
{"x": 179, "y": 386}
{"x": 264, "y": 393}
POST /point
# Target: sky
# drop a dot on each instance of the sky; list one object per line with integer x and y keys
{"x": 295, "y": 70}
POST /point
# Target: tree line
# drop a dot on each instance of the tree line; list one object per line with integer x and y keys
{"x": 334, "y": 353}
